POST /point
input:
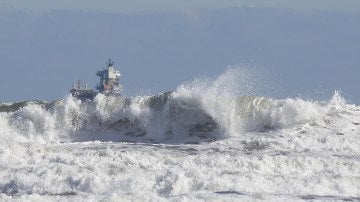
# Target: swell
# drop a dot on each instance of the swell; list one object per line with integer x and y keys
{"x": 183, "y": 116}
{"x": 13, "y": 107}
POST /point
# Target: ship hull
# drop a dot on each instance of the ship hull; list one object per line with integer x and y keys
{"x": 83, "y": 95}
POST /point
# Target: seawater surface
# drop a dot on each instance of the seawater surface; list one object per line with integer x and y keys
{"x": 211, "y": 141}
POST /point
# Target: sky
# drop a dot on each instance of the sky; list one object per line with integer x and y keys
{"x": 304, "y": 48}
{"x": 173, "y": 5}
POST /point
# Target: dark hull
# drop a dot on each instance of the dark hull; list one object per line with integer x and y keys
{"x": 83, "y": 95}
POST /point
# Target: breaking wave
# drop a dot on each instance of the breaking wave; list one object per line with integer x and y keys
{"x": 203, "y": 110}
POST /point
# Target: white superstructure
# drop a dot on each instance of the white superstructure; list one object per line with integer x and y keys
{"x": 109, "y": 80}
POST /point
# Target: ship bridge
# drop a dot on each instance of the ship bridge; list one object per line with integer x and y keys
{"x": 109, "y": 80}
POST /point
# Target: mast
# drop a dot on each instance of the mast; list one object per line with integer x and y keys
{"x": 110, "y": 63}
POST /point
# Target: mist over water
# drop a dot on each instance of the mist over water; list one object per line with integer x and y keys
{"x": 209, "y": 138}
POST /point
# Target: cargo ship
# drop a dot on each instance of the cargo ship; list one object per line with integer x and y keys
{"x": 109, "y": 84}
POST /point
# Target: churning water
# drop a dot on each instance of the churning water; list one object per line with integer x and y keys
{"x": 208, "y": 140}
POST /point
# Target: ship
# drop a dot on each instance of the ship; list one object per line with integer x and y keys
{"x": 109, "y": 84}
{"x": 82, "y": 93}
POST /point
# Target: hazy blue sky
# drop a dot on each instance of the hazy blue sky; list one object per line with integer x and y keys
{"x": 307, "y": 48}
{"x": 171, "y": 5}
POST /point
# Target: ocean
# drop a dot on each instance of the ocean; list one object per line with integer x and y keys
{"x": 211, "y": 140}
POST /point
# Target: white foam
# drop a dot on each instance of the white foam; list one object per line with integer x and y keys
{"x": 265, "y": 148}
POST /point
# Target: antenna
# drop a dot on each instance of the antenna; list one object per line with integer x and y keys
{"x": 110, "y": 63}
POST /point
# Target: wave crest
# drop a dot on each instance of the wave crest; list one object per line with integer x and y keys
{"x": 195, "y": 112}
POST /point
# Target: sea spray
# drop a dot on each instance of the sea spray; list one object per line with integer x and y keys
{"x": 203, "y": 110}
{"x": 217, "y": 97}
{"x": 205, "y": 141}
